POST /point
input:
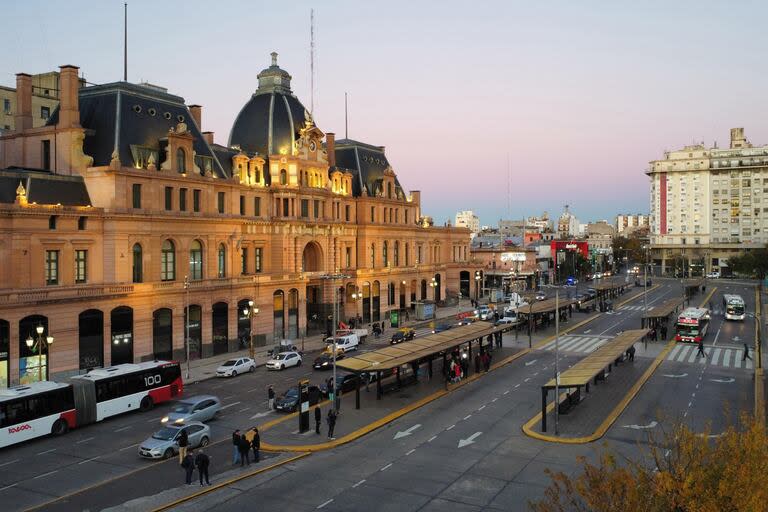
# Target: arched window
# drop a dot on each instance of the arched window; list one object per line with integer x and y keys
{"x": 407, "y": 254}
{"x": 222, "y": 261}
{"x": 397, "y": 253}
{"x": 283, "y": 177}
{"x": 389, "y": 190}
{"x": 385, "y": 253}
{"x": 196, "y": 260}
{"x": 181, "y": 160}
{"x": 138, "y": 264}
{"x": 373, "y": 255}
{"x": 168, "y": 261}
{"x": 257, "y": 176}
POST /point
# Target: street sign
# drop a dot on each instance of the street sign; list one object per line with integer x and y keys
{"x": 303, "y": 405}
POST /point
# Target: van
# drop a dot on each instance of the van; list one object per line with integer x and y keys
{"x": 346, "y": 343}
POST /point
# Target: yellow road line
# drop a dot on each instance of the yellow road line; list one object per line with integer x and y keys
{"x": 218, "y": 486}
{"x": 759, "y": 410}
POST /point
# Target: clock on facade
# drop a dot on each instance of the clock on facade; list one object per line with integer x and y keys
{"x": 312, "y": 146}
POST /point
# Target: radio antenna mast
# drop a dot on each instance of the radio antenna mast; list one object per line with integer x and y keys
{"x": 125, "y": 41}
{"x": 346, "y": 118}
{"x": 312, "y": 61}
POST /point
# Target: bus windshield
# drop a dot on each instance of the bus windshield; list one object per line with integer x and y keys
{"x": 688, "y": 330}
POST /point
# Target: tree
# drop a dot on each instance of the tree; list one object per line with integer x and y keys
{"x": 752, "y": 263}
{"x": 631, "y": 247}
{"x": 685, "y": 472}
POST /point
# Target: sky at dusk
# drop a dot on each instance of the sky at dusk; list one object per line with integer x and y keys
{"x": 577, "y": 96}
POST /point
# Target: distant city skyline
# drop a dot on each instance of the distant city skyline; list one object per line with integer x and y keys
{"x": 579, "y": 97}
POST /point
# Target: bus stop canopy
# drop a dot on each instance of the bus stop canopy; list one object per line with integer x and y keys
{"x": 613, "y": 283}
{"x": 665, "y": 309}
{"x": 544, "y": 306}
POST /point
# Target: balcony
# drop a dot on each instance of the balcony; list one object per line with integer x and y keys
{"x": 63, "y": 293}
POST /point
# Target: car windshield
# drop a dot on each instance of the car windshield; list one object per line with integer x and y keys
{"x": 280, "y": 357}
{"x": 183, "y": 408}
{"x": 231, "y": 362}
{"x": 165, "y": 434}
{"x": 291, "y": 393}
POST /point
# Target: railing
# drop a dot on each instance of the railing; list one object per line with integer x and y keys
{"x": 62, "y": 293}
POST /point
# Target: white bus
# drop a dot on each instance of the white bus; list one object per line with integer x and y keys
{"x": 43, "y": 408}
{"x": 692, "y": 325}
{"x": 733, "y": 305}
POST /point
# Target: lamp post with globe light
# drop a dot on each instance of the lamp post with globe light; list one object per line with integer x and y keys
{"x": 37, "y": 345}
{"x": 248, "y": 312}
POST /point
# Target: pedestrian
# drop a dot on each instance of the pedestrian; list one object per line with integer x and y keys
{"x": 270, "y": 397}
{"x": 244, "y": 446}
{"x": 183, "y": 444}
{"x": 486, "y": 361}
{"x": 701, "y": 349}
{"x": 631, "y": 353}
{"x": 331, "y": 419}
{"x": 235, "y": 447}
{"x": 478, "y": 363}
{"x": 202, "y": 461}
{"x": 318, "y": 419}
{"x": 189, "y": 467}
{"x": 663, "y": 332}
{"x": 746, "y": 353}
{"x": 256, "y": 445}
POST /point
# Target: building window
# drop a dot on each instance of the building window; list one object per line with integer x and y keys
{"x": 244, "y": 261}
{"x": 51, "y": 267}
{"x": 138, "y": 264}
{"x": 257, "y": 207}
{"x": 389, "y": 190}
{"x": 406, "y": 216}
{"x": 136, "y": 195}
{"x": 196, "y": 200}
{"x": 183, "y": 199}
{"x": 196, "y": 261}
{"x": 7, "y": 106}
{"x": 316, "y": 209}
{"x": 258, "y": 260}
{"x": 283, "y": 177}
{"x": 168, "y": 261}
{"x": 81, "y": 266}
{"x": 373, "y": 255}
{"x": 222, "y": 260}
{"x": 45, "y": 157}
{"x": 45, "y": 112}
{"x": 168, "y": 198}
{"x": 305, "y": 208}
{"x": 373, "y": 214}
{"x": 397, "y": 253}
{"x": 220, "y": 197}
{"x": 385, "y": 253}
{"x": 397, "y": 216}
{"x": 242, "y": 205}
{"x": 52, "y": 221}
{"x": 347, "y": 212}
{"x": 181, "y": 160}
{"x": 348, "y": 257}
{"x": 286, "y": 207}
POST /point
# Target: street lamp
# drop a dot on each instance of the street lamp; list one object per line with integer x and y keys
{"x": 186, "y": 322}
{"x": 478, "y": 277}
{"x": 333, "y": 278}
{"x": 248, "y": 313}
{"x": 37, "y": 345}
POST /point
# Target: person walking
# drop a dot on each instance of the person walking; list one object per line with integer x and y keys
{"x": 244, "y": 447}
{"x": 631, "y": 353}
{"x": 318, "y": 419}
{"x": 701, "y": 349}
{"x": 270, "y": 397}
{"x": 235, "y": 447}
{"x": 663, "y": 332}
{"x": 331, "y": 419}
{"x": 478, "y": 362}
{"x": 746, "y": 353}
{"x": 256, "y": 445}
{"x": 202, "y": 461}
{"x": 189, "y": 467}
{"x": 183, "y": 444}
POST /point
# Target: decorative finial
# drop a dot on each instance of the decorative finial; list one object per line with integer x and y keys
{"x": 274, "y": 58}
{"x": 20, "y": 190}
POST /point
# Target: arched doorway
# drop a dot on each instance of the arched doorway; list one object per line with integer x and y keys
{"x": 293, "y": 314}
{"x": 413, "y": 292}
{"x": 32, "y": 362}
{"x": 312, "y": 258}
{"x": 121, "y": 326}
{"x": 376, "y": 306}
{"x": 162, "y": 334}
{"x": 438, "y": 289}
{"x": 464, "y": 283}
{"x": 5, "y": 351}
{"x": 195, "y": 327}
{"x": 278, "y": 308}
{"x": 402, "y": 294}
{"x": 91, "y": 339}
{"x": 366, "y": 303}
{"x": 220, "y": 324}
{"x": 423, "y": 289}
{"x": 314, "y": 310}
{"x": 244, "y": 313}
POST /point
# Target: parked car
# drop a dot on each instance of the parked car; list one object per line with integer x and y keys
{"x": 197, "y": 408}
{"x": 284, "y": 360}
{"x": 571, "y": 281}
{"x": 401, "y": 335}
{"x": 346, "y": 343}
{"x": 714, "y": 275}
{"x": 163, "y": 444}
{"x": 507, "y": 320}
{"x": 325, "y": 360}
{"x": 441, "y": 327}
{"x": 541, "y": 296}
{"x": 484, "y": 312}
{"x": 232, "y": 367}
{"x": 344, "y": 382}
{"x": 289, "y": 401}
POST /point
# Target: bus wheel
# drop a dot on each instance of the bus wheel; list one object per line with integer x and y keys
{"x": 60, "y": 427}
{"x": 146, "y": 403}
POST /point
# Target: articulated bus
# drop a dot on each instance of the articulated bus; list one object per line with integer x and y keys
{"x": 46, "y": 407}
{"x": 692, "y": 325}
{"x": 733, "y": 305}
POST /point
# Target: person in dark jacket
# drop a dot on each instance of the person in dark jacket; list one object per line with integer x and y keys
{"x": 256, "y": 444}
{"x": 183, "y": 443}
{"x": 244, "y": 447}
{"x": 318, "y": 419}
{"x": 331, "y": 422}
{"x": 270, "y": 398}
{"x": 478, "y": 362}
{"x": 189, "y": 466}
{"x": 202, "y": 461}
{"x": 235, "y": 447}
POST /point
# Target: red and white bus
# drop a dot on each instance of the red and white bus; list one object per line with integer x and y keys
{"x": 692, "y": 325}
{"x": 43, "y": 408}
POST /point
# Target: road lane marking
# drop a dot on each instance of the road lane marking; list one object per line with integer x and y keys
{"x": 467, "y": 416}
{"x": 494, "y": 399}
{"x": 88, "y": 460}
{"x": 85, "y": 440}
{"x": 716, "y": 356}
{"x": 47, "y": 451}
{"x": 226, "y": 397}
{"x": 526, "y": 380}
{"x": 386, "y": 467}
{"x": 9, "y": 462}
{"x": 481, "y": 408}
{"x": 7, "y": 487}
{"x": 431, "y": 439}
{"x": 244, "y": 409}
{"x": 130, "y": 446}
{"x": 123, "y": 428}
{"x": 506, "y": 392}
{"x": 449, "y": 428}
{"x": 324, "y": 504}
{"x": 229, "y": 405}
{"x": 516, "y": 386}
{"x": 361, "y": 482}
{"x": 45, "y": 474}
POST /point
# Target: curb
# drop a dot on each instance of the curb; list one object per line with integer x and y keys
{"x": 759, "y": 411}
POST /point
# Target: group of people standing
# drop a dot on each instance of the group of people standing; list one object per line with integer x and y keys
{"x": 189, "y": 460}
{"x": 243, "y": 444}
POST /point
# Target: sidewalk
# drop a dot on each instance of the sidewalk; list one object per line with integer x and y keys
{"x": 204, "y": 369}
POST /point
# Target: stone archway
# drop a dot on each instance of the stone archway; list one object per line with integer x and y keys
{"x": 312, "y": 258}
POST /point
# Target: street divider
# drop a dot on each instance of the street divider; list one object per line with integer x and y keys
{"x": 758, "y": 353}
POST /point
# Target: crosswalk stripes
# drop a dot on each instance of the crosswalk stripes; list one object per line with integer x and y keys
{"x": 716, "y": 356}
{"x": 577, "y": 343}
{"x": 633, "y": 308}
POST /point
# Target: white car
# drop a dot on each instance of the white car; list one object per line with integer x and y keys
{"x": 283, "y": 360}
{"x": 233, "y": 367}
{"x": 507, "y": 320}
{"x": 714, "y": 275}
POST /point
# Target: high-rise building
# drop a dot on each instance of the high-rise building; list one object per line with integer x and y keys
{"x": 44, "y": 99}
{"x": 626, "y": 223}
{"x": 708, "y": 204}
{"x": 468, "y": 219}
{"x": 567, "y": 225}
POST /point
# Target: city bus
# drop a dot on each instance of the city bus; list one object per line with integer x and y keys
{"x": 47, "y": 407}
{"x": 733, "y": 305}
{"x": 692, "y": 325}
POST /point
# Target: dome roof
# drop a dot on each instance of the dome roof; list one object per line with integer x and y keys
{"x": 270, "y": 121}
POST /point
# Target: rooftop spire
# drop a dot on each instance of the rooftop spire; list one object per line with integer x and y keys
{"x": 274, "y": 79}
{"x": 274, "y": 59}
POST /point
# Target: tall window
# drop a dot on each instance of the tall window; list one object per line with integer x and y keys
{"x": 52, "y": 221}
{"x": 45, "y": 112}
{"x": 51, "y": 267}
{"x": 244, "y": 261}
{"x": 389, "y": 190}
{"x": 242, "y": 205}
{"x": 347, "y": 210}
{"x": 220, "y": 198}
{"x": 183, "y": 199}
{"x": 222, "y": 261}
{"x": 196, "y": 200}
{"x": 138, "y": 264}
{"x": 283, "y": 177}
{"x": 385, "y": 253}
{"x": 181, "y": 160}
{"x": 257, "y": 207}
{"x": 259, "y": 253}
{"x": 397, "y": 253}
{"x": 305, "y": 208}
{"x": 419, "y": 259}
{"x": 168, "y": 198}
{"x": 406, "y": 216}
{"x": 81, "y": 266}
{"x": 136, "y": 195}
{"x": 81, "y": 223}
{"x": 373, "y": 255}
{"x": 348, "y": 257}
{"x": 286, "y": 207}
{"x": 373, "y": 214}
{"x": 316, "y": 208}
{"x": 168, "y": 261}
{"x": 196, "y": 260}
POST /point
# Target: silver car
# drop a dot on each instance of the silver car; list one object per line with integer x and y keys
{"x": 196, "y": 408}
{"x": 164, "y": 443}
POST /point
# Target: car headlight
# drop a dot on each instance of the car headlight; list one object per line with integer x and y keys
{"x": 164, "y": 420}
{"x": 180, "y": 420}
{"x": 325, "y": 363}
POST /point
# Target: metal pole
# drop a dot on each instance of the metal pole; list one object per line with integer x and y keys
{"x": 335, "y": 399}
{"x": 645, "y": 284}
{"x": 39, "y": 358}
{"x": 557, "y": 355}
{"x": 186, "y": 322}
{"x": 530, "y": 322}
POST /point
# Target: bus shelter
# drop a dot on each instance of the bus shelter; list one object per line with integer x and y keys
{"x": 660, "y": 314}
{"x": 388, "y": 361}
{"x": 692, "y": 286}
{"x": 609, "y": 289}
{"x": 540, "y": 314}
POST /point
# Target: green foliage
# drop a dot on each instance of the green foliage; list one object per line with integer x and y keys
{"x": 631, "y": 247}
{"x": 752, "y": 263}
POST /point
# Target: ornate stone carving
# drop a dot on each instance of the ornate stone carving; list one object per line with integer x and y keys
{"x": 79, "y": 159}
{"x": 114, "y": 163}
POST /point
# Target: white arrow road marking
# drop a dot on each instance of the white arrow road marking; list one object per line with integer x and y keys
{"x": 529, "y": 363}
{"x": 588, "y": 331}
{"x": 406, "y": 432}
{"x": 676, "y": 376}
{"x": 725, "y": 381}
{"x": 736, "y": 339}
{"x": 261, "y": 415}
{"x": 229, "y": 405}
{"x": 641, "y": 427}
{"x": 469, "y": 440}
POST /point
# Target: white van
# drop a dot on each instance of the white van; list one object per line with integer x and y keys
{"x": 346, "y": 343}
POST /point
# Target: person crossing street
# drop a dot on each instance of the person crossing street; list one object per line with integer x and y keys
{"x": 746, "y": 353}
{"x": 701, "y": 349}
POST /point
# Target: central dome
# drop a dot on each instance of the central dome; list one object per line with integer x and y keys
{"x": 270, "y": 122}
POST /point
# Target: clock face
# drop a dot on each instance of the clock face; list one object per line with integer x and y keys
{"x": 312, "y": 146}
